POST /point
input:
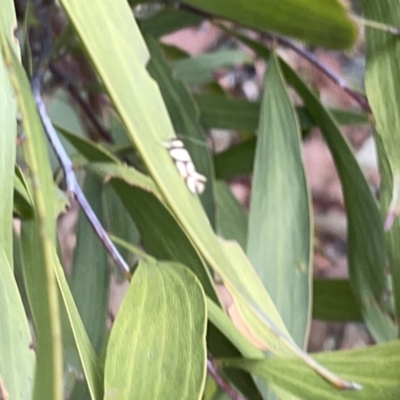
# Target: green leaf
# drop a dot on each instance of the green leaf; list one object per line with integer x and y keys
{"x": 279, "y": 241}
{"x": 90, "y": 150}
{"x": 167, "y": 21}
{"x": 366, "y": 246}
{"x": 375, "y": 368}
{"x": 157, "y": 347}
{"x": 334, "y": 301}
{"x": 327, "y": 26}
{"x": 200, "y": 70}
{"x": 242, "y": 115}
{"x": 17, "y": 361}
{"x": 90, "y": 363}
{"x": 23, "y": 204}
{"x": 89, "y": 280}
{"x": 237, "y": 160}
{"x": 221, "y": 320}
{"x": 185, "y": 119}
{"x": 231, "y": 218}
{"x": 383, "y": 95}
{"x": 8, "y": 129}
{"x": 117, "y": 223}
{"x": 38, "y": 238}
{"x": 63, "y": 114}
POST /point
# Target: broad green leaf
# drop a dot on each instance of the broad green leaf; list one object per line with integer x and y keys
{"x": 90, "y": 363}
{"x": 279, "y": 240}
{"x": 375, "y": 368}
{"x": 242, "y": 115}
{"x": 326, "y": 25}
{"x": 89, "y": 279}
{"x": 140, "y": 106}
{"x": 231, "y": 217}
{"x": 366, "y": 246}
{"x": 8, "y": 129}
{"x": 381, "y": 76}
{"x": 200, "y": 70}
{"x": 185, "y": 119}
{"x": 333, "y": 300}
{"x": 38, "y": 238}
{"x": 167, "y": 21}
{"x": 157, "y": 347}
{"x": 17, "y": 361}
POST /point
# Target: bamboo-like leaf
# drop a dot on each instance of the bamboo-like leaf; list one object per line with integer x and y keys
{"x": 117, "y": 222}
{"x": 200, "y": 70}
{"x": 366, "y": 245}
{"x": 90, "y": 363}
{"x": 333, "y": 300}
{"x": 89, "y": 280}
{"x": 243, "y": 115}
{"x": 38, "y": 238}
{"x": 8, "y": 129}
{"x": 237, "y": 160}
{"x": 231, "y": 217}
{"x": 375, "y": 368}
{"x": 167, "y": 21}
{"x": 279, "y": 235}
{"x": 185, "y": 119}
{"x": 307, "y": 20}
{"x": 157, "y": 347}
{"x": 17, "y": 361}
{"x": 381, "y": 76}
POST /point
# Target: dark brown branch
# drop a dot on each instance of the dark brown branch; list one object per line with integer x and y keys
{"x": 332, "y": 76}
{"x": 336, "y": 79}
{"x": 222, "y": 383}
{"x": 74, "y": 92}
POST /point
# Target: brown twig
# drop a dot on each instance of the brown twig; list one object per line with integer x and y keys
{"x": 74, "y": 92}
{"x": 336, "y": 79}
{"x": 332, "y": 76}
{"x": 222, "y": 383}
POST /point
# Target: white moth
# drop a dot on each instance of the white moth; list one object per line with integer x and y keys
{"x": 194, "y": 181}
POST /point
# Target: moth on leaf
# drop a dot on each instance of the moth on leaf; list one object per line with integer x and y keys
{"x": 195, "y": 182}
